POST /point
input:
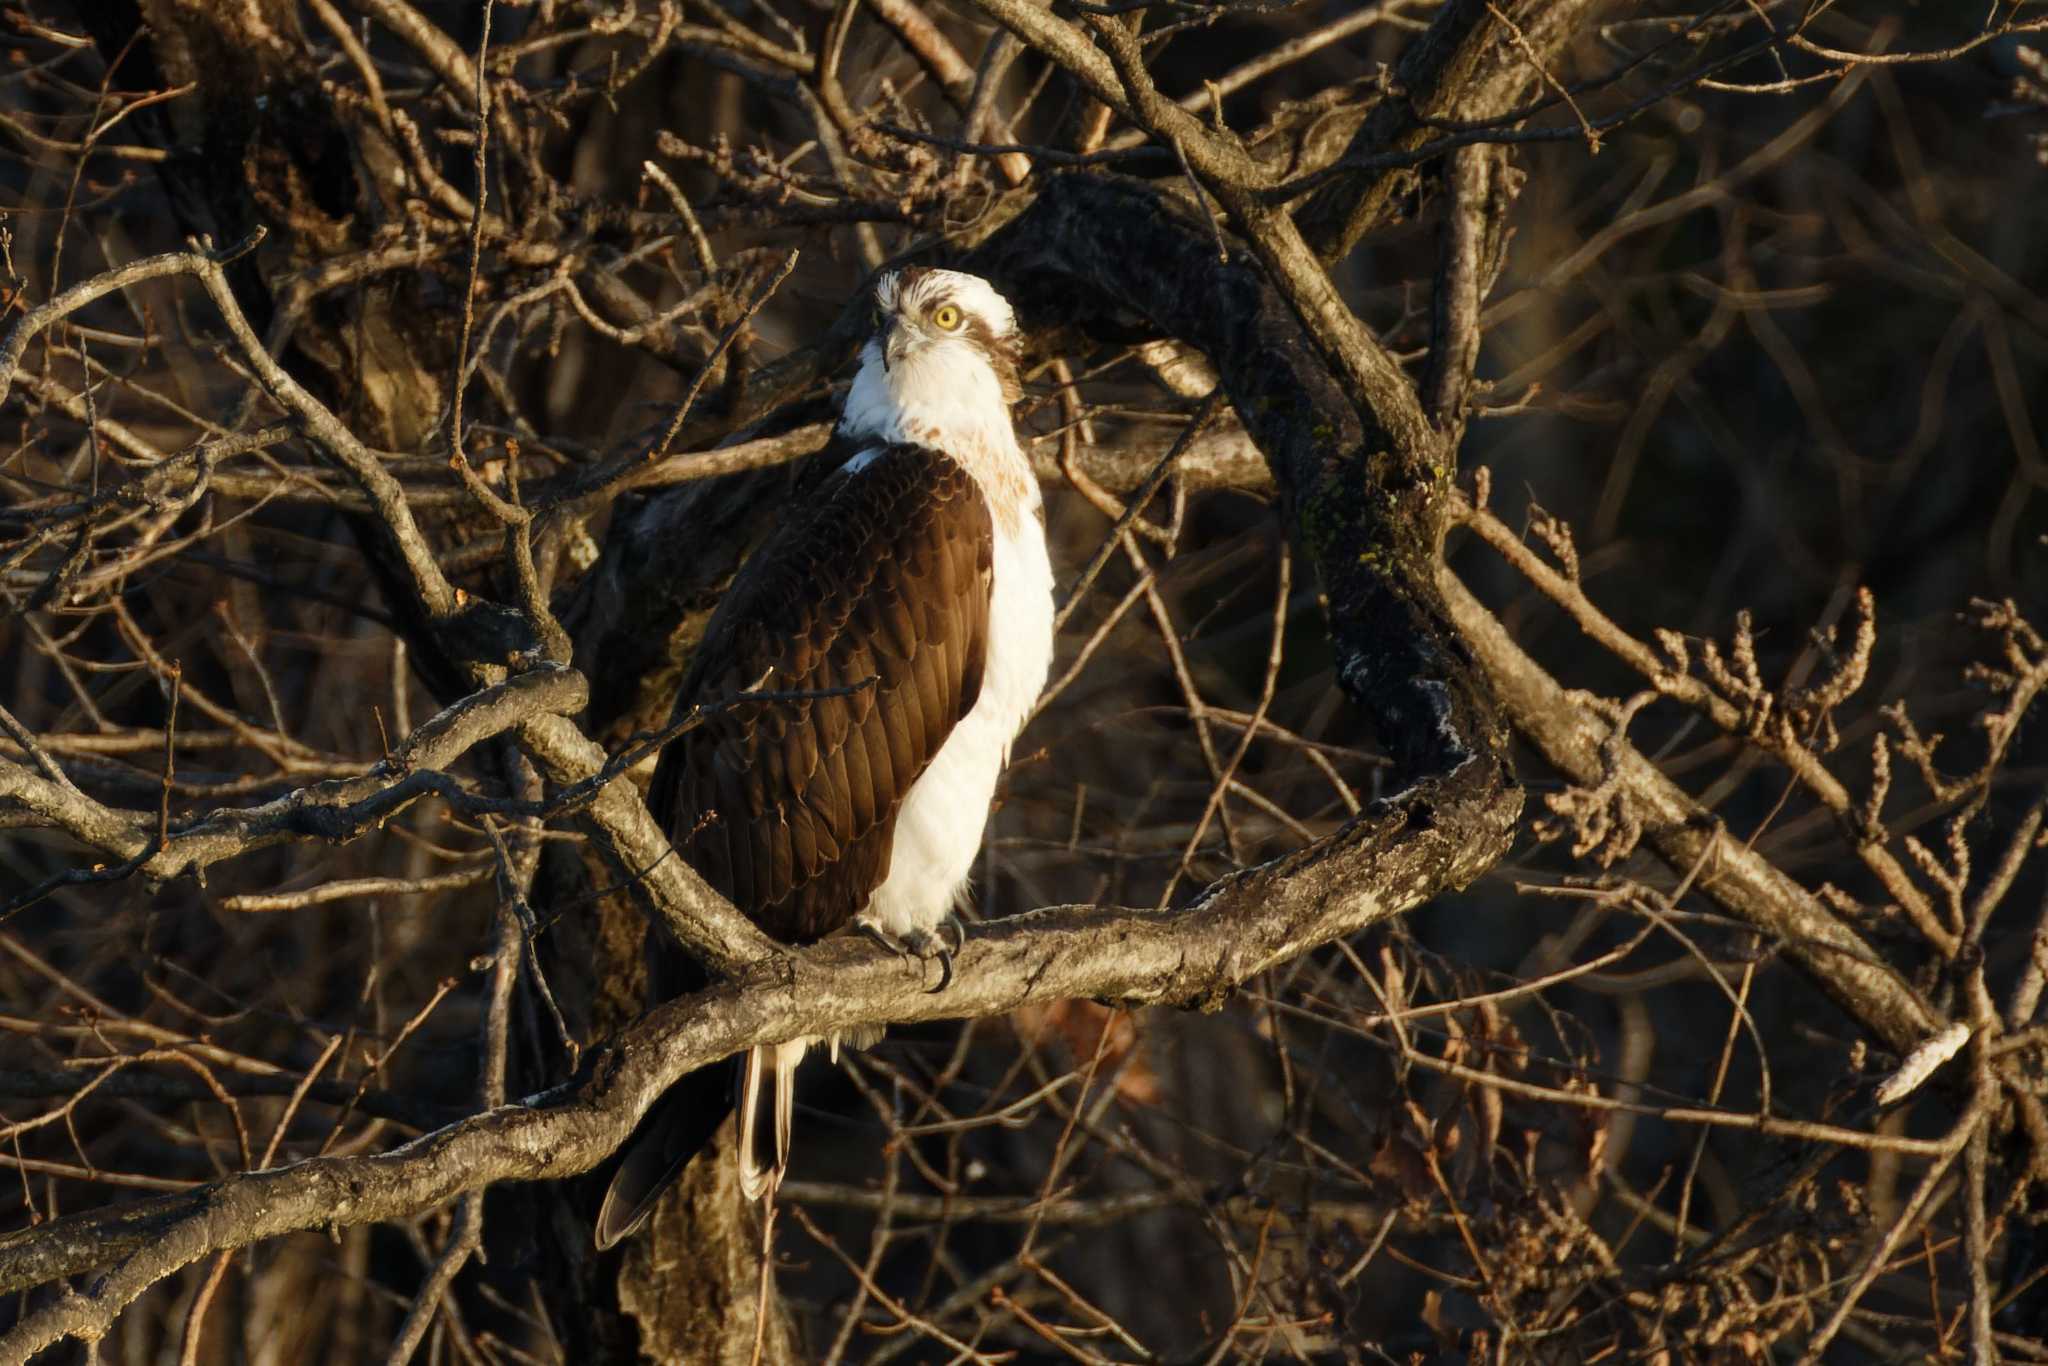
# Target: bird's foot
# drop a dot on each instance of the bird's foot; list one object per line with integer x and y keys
{"x": 923, "y": 945}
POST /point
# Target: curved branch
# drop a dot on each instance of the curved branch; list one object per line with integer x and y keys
{"x": 1377, "y": 867}
{"x": 337, "y": 809}
{"x": 33, "y": 323}
{"x": 1366, "y": 501}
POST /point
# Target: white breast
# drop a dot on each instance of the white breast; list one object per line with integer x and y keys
{"x": 940, "y": 824}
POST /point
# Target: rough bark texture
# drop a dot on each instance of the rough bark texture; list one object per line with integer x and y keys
{"x": 691, "y": 1283}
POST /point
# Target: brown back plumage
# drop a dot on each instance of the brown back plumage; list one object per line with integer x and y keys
{"x": 788, "y": 807}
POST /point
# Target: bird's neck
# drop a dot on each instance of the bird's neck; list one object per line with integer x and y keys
{"x": 950, "y": 403}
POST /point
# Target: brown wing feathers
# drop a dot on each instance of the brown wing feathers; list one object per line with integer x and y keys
{"x": 884, "y": 572}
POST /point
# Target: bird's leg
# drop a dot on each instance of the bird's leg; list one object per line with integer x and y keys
{"x": 922, "y": 944}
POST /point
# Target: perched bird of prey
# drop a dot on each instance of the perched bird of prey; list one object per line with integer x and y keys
{"x": 917, "y": 568}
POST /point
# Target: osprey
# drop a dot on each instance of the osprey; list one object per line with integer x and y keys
{"x": 915, "y": 580}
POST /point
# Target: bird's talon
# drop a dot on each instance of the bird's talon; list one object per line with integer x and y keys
{"x": 921, "y": 944}
{"x": 882, "y": 937}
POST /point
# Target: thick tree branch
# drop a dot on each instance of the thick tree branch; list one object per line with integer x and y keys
{"x": 1779, "y": 739}
{"x": 1381, "y": 865}
{"x": 1687, "y": 837}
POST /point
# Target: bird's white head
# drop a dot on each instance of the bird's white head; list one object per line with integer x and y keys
{"x": 941, "y": 368}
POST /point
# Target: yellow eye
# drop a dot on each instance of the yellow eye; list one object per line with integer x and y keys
{"x": 946, "y": 318}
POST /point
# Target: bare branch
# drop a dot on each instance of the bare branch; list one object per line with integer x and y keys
{"x": 1383, "y": 865}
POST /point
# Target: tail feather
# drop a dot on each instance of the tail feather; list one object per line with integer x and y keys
{"x": 683, "y": 1121}
{"x": 786, "y": 1059}
{"x": 771, "y": 1066}
{"x": 678, "y": 1127}
{"x": 752, "y": 1182}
